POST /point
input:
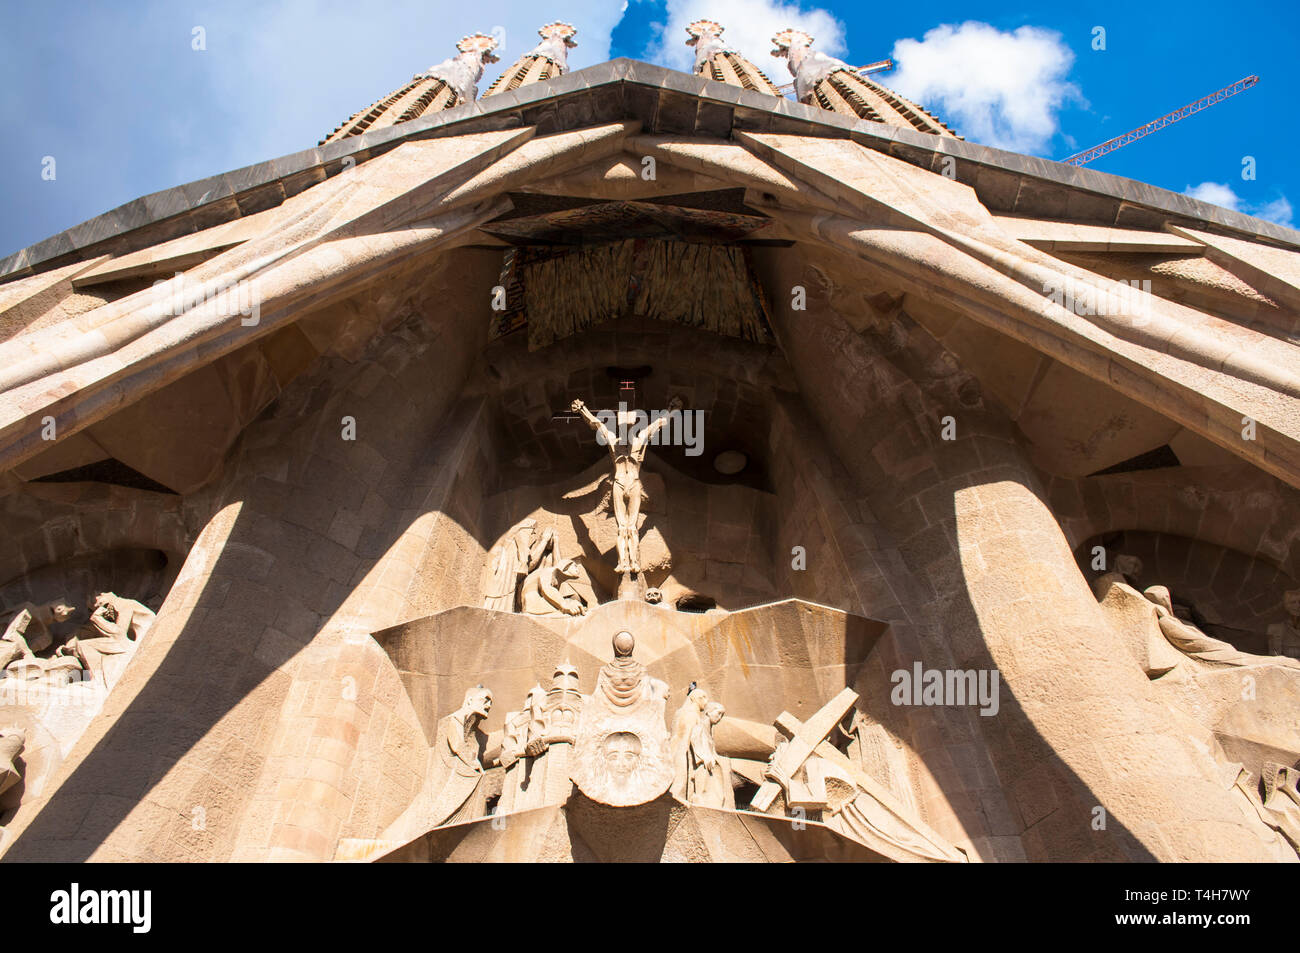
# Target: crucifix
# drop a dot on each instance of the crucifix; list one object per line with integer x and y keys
{"x": 627, "y": 450}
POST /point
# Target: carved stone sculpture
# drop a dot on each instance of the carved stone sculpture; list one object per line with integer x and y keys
{"x": 824, "y": 80}
{"x": 814, "y": 775}
{"x": 1130, "y": 567}
{"x": 622, "y": 755}
{"x": 1124, "y": 568}
{"x": 12, "y": 741}
{"x": 1134, "y": 616}
{"x": 1284, "y": 637}
{"x": 563, "y": 705}
{"x": 1281, "y": 800}
{"x": 557, "y": 40}
{"x": 552, "y": 753}
{"x": 547, "y": 59}
{"x": 522, "y": 741}
{"x": 116, "y": 624}
{"x": 875, "y": 751}
{"x": 522, "y": 725}
{"x": 455, "y": 771}
{"x": 453, "y": 82}
{"x": 1268, "y": 826}
{"x": 548, "y": 591}
{"x": 719, "y": 61}
{"x": 457, "y": 755}
{"x": 628, "y": 493}
{"x": 809, "y": 67}
{"x": 523, "y": 550}
{"x": 29, "y": 631}
{"x": 684, "y": 722}
{"x": 701, "y": 775}
{"x": 537, "y": 749}
{"x": 1194, "y": 643}
{"x": 462, "y": 72}
{"x": 812, "y": 787}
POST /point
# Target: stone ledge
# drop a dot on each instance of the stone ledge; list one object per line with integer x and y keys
{"x": 620, "y": 88}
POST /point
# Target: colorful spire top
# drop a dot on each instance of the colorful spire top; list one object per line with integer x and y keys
{"x": 827, "y": 81}
{"x": 703, "y": 28}
{"x": 450, "y": 83}
{"x": 559, "y": 30}
{"x": 788, "y": 40}
{"x": 723, "y": 63}
{"x": 548, "y": 59}
{"x": 479, "y": 43}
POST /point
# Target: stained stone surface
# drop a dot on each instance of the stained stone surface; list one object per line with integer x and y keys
{"x": 943, "y": 455}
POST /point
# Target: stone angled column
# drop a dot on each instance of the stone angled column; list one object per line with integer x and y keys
{"x": 1090, "y": 762}
{"x": 259, "y": 720}
{"x": 823, "y": 80}
{"x": 548, "y": 59}
{"x": 453, "y": 82}
{"x": 716, "y": 60}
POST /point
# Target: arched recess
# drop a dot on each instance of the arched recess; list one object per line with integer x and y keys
{"x": 1236, "y": 508}
{"x": 1230, "y": 594}
{"x": 71, "y": 535}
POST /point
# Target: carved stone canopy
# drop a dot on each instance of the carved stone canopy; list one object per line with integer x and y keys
{"x": 717, "y": 216}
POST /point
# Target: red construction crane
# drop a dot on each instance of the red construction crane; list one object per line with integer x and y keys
{"x": 1110, "y": 145}
{"x": 882, "y": 66}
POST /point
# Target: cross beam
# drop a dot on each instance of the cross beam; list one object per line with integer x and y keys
{"x": 804, "y": 742}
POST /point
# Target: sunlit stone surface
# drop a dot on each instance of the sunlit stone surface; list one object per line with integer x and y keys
{"x": 940, "y": 506}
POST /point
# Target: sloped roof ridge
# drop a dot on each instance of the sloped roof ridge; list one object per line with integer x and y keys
{"x": 618, "y": 89}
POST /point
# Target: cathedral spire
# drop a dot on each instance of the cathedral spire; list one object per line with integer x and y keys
{"x": 823, "y": 80}
{"x": 442, "y": 86}
{"x": 715, "y": 60}
{"x": 547, "y": 59}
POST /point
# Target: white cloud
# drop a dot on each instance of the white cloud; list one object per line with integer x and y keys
{"x": 749, "y": 27}
{"x": 1216, "y": 193}
{"x": 317, "y": 63}
{"x": 274, "y": 78}
{"x": 997, "y": 88}
{"x": 1278, "y": 211}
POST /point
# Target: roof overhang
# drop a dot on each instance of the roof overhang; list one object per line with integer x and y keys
{"x": 665, "y": 102}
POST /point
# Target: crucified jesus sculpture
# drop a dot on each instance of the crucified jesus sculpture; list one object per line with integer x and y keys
{"x": 627, "y": 492}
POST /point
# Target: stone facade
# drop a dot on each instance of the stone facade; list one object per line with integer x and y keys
{"x": 970, "y": 397}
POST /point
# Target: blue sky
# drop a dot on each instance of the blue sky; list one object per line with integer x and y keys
{"x": 118, "y": 96}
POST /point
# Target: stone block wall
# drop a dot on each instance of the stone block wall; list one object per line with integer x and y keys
{"x": 1234, "y": 597}
{"x": 259, "y": 719}
{"x": 991, "y": 584}
{"x": 52, "y": 525}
